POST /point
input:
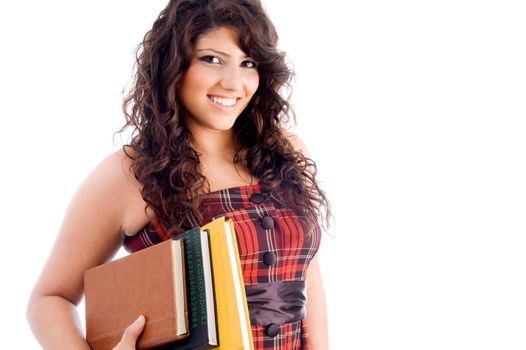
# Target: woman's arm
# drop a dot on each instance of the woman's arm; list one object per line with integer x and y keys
{"x": 316, "y": 304}
{"x": 316, "y": 307}
{"x": 90, "y": 235}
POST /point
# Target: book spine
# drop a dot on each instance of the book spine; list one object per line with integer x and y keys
{"x": 196, "y": 297}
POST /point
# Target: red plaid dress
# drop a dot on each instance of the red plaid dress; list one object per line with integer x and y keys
{"x": 273, "y": 247}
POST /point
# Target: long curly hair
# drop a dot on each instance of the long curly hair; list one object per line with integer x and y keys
{"x": 163, "y": 158}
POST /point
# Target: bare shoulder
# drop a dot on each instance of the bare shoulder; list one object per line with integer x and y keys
{"x": 297, "y": 142}
{"x": 114, "y": 179}
{"x": 114, "y": 168}
{"x": 115, "y": 171}
{"x": 110, "y": 182}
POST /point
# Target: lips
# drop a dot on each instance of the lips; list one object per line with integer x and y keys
{"x": 223, "y": 101}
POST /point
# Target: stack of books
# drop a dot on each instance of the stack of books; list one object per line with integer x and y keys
{"x": 190, "y": 291}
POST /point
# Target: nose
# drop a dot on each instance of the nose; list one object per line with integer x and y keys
{"x": 232, "y": 79}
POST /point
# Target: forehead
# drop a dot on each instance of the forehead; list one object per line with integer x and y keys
{"x": 224, "y": 39}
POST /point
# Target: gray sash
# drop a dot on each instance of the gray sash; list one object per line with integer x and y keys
{"x": 277, "y": 302}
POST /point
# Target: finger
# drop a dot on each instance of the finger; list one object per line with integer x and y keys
{"x": 131, "y": 333}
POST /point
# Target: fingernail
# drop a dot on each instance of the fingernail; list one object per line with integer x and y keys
{"x": 139, "y": 320}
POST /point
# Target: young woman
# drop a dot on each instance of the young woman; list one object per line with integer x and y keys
{"x": 208, "y": 140}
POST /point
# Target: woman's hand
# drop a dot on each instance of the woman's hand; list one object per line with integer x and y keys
{"x": 131, "y": 333}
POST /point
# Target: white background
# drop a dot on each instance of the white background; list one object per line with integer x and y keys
{"x": 413, "y": 110}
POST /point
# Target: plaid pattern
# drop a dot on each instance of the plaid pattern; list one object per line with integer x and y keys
{"x": 286, "y": 238}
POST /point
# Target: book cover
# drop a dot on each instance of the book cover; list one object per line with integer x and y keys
{"x": 150, "y": 282}
{"x": 233, "y": 320}
{"x": 200, "y": 294}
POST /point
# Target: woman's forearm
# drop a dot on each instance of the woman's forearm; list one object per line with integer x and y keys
{"x": 55, "y": 323}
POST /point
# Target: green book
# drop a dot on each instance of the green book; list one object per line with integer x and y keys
{"x": 202, "y": 320}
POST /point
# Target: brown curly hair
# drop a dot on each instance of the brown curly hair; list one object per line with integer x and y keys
{"x": 165, "y": 161}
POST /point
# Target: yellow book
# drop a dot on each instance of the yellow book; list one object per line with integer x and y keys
{"x": 233, "y": 320}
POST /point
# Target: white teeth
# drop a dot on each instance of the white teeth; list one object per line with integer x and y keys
{"x": 223, "y": 101}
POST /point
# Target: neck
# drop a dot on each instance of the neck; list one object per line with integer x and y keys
{"x": 213, "y": 143}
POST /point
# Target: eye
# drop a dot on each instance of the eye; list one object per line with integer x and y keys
{"x": 210, "y": 59}
{"x": 249, "y": 64}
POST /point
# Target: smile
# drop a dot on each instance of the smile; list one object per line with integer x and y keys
{"x": 223, "y": 101}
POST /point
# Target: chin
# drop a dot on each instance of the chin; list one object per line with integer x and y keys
{"x": 224, "y": 125}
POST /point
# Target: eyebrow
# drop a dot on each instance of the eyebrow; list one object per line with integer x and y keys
{"x": 220, "y": 52}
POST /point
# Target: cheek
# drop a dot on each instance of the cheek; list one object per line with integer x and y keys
{"x": 252, "y": 84}
{"x": 196, "y": 79}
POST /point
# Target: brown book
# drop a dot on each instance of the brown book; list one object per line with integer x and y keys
{"x": 150, "y": 282}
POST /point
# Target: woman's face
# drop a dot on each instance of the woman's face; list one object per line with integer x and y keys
{"x": 219, "y": 82}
